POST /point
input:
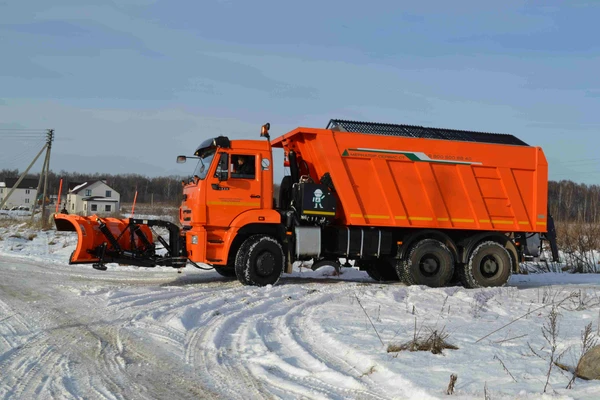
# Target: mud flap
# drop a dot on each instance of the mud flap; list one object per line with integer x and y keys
{"x": 91, "y": 240}
{"x": 551, "y": 237}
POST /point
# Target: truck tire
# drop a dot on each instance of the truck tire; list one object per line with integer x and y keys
{"x": 429, "y": 263}
{"x": 259, "y": 261}
{"x": 227, "y": 272}
{"x": 489, "y": 265}
{"x": 381, "y": 270}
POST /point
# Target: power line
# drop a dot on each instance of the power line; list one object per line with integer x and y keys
{"x": 23, "y": 130}
{"x": 20, "y": 137}
{"x": 23, "y": 155}
{"x": 19, "y": 147}
{"x": 17, "y": 135}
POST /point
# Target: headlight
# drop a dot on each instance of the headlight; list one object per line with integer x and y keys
{"x": 194, "y": 239}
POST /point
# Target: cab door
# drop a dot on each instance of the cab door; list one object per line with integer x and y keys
{"x": 232, "y": 190}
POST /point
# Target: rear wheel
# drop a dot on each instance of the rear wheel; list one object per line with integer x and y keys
{"x": 489, "y": 265}
{"x": 429, "y": 263}
{"x": 259, "y": 261}
{"x": 381, "y": 270}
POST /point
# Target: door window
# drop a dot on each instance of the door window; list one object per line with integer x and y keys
{"x": 243, "y": 166}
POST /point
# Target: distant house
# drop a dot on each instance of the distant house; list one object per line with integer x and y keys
{"x": 91, "y": 198}
{"x": 23, "y": 196}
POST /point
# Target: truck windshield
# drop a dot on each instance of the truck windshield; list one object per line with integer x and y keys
{"x": 204, "y": 164}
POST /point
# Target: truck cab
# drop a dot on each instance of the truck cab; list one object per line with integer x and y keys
{"x": 231, "y": 189}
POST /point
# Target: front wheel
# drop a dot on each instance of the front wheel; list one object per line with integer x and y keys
{"x": 259, "y": 261}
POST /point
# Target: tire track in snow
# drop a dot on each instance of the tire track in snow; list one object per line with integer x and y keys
{"x": 30, "y": 369}
{"x": 326, "y": 373}
{"x": 48, "y": 348}
{"x": 214, "y": 351}
{"x": 328, "y": 350}
{"x": 61, "y": 339}
{"x": 234, "y": 343}
{"x": 8, "y": 329}
{"x": 46, "y": 354}
{"x": 207, "y": 347}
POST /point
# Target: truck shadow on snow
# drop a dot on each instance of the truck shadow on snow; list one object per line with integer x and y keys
{"x": 214, "y": 278}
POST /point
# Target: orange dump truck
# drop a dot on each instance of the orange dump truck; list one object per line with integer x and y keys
{"x": 402, "y": 202}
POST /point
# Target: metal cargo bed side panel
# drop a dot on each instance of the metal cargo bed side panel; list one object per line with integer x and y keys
{"x": 425, "y": 183}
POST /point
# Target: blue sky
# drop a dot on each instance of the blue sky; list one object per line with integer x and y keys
{"x": 130, "y": 84}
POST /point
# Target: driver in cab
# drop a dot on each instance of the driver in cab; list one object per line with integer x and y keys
{"x": 244, "y": 166}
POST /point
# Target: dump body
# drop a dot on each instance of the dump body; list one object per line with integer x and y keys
{"x": 391, "y": 181}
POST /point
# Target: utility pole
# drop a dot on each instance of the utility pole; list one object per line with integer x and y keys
{"x": 39, "y": 187}
{"x": 49, "y": 140}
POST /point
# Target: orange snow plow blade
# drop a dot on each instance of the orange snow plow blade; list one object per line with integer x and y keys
{"x": 98, "y": 236}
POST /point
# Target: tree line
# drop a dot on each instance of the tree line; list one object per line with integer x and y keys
{"x": 567, "y": 200}
{"x": 574, "y": 202}
{"x": 163, "y": 189}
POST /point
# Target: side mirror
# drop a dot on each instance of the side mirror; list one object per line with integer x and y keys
{"x": 181, "y": 159}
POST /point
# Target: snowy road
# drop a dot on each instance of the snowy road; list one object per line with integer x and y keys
{"x": 74, "y": 332}
{"x": 58, "y": 340}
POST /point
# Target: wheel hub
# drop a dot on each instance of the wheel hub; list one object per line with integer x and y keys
{"x": 489, "y": 266}
{"x": 265, "y": 264}
{"x": 429, "y": 265}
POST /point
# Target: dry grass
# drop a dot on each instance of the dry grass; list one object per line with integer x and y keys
{"x": 8, "y": 222}
{"x": 450, "y": 389}
{"x": 580, "y": 244}
{"x": 434, "y": 341}
{"x": 370, "y": 371}
{"x": 588, "y": 341}
{"x": 394, "y": 348}
{"x": 169, "y": 210}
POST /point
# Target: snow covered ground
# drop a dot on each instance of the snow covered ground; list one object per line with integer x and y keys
{"x": 74, "y": 332}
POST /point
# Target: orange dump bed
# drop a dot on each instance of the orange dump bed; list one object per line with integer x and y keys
{"x": 384, "y": 180}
